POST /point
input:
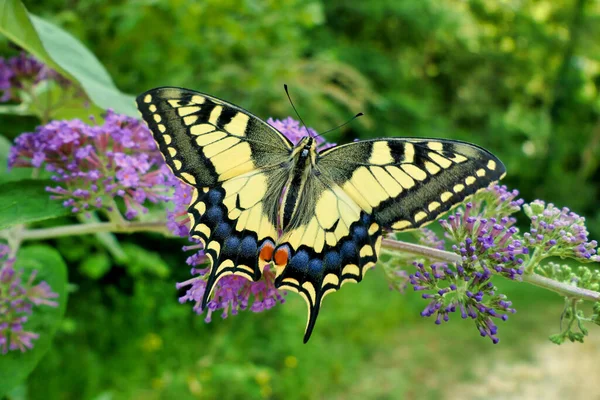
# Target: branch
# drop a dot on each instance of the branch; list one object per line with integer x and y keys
{"x": 87, "y": 229}
{"x": 561, "y": 288}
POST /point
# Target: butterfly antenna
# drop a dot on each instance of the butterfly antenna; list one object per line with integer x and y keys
{"x": 344, "y": 124}
{"x": 294, "y": 107}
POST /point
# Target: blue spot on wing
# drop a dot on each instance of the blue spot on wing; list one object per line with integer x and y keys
{"x": 214, "y": 214}
{"x": 214, "y": 197}
{"x": 232, "y": 244}
{"x": 315, "y": 270}
{"x": 359, "y": 233}
{"x": 249, "y": 247}
{"x": 299, "y": 263}
{"x": 349, "y": 252}
{"x": 222, "y": 231}
{"x": 332, "y": 262}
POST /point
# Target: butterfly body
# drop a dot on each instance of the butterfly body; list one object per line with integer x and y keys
{"x": 317, "y": 216}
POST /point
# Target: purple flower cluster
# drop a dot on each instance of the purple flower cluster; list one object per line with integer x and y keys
{"x": 497, "y": 201}
{"x": 486, "y": 242}
{"x": 559, "y": 232}
{"x": 22, "y": 70}
{"x": 178, "y": 221}
{"x": 464, "y": 290}
{"x": 17, "y": 299}
{"x": 232, "y": 293}
{"x": 95, "y": 164}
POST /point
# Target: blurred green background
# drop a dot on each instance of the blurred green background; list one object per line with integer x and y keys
{"x": 519, "y": 77}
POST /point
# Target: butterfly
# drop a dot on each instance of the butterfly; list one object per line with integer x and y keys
{"x": 317, "y": 216}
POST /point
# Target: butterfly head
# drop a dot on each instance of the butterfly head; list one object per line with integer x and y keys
{"x": 305, "y": 152}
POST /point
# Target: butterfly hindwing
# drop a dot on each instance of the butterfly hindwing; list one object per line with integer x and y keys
{"x": 330, "y": 242}
{"x": 406, "y": 183}
{"x": 231, "y": 235}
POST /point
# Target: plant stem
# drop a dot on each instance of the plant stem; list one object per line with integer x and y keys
{"x": 561, "y": 288}
{"x": 417, "y": 249}
{"x": 85, "y": 229}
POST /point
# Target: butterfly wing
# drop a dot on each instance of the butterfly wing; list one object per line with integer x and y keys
{"x": 232, "y": 159}
{"x": 330, "y": 242}
{"x": 409, "y": 182}
{"x": 363, "y": 188}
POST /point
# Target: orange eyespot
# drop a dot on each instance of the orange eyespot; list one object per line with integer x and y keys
{"x": 266, "y": 251}
{"x": 282, "y": 255}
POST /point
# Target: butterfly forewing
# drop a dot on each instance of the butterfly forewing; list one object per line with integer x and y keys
{"x": 406, "y": 183}
{"x": 206, "y": 140}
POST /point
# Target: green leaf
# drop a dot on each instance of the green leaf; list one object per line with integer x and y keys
{"x": 144, "y": 262}
{"x": 44, "y": 320}
{"x": 27, "y": 201}
{"x": 63, "y": 52}
{"x": 95, "y": 265}
{"x": 51, "y": 100}
{"x": 84, "y": 67}
{"x": 106, "y": 239}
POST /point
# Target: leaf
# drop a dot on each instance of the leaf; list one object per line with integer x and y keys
{"x": 106, "y": 239}
{"x": 143, "y": 262}
{"x": 82, "y": 64}
{"x": 27, "y": 201}
{"x": 44, "y": 320}
{"x": 95, "y": 265}
{"x": 64, "y": 53}
{"x": 52, "y": 100}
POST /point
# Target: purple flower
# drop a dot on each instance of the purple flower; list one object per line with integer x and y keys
{"x": 17, "y": 300}
{"x": 398, "y": 279}
{"x": 559, "y": 232}
{"x": 178, "y": 221}
{"x": 6, "y": 76}
{"x": 231, "y": 293}
{"x": 464, "y": 290}
{"x": 486, "y": 242}
{"x": 497, "y": 201}
{"x": 21, "y": 71}
{"x": 94, "y": 164}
